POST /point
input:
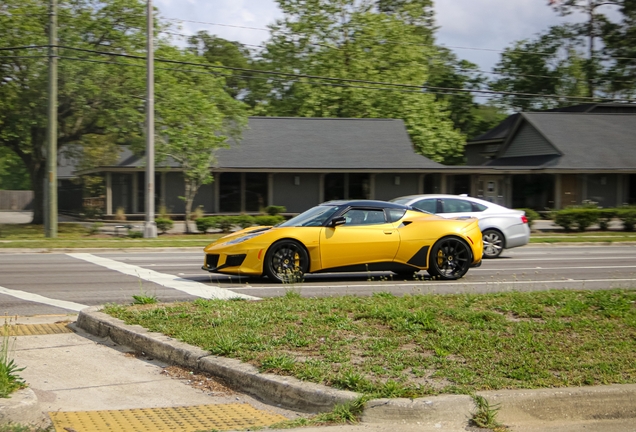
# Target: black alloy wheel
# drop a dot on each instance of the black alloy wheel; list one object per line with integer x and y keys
{"x": 493, "y": 243}
{"x": 450, "y": 259}
{"x": 286, "y": 261}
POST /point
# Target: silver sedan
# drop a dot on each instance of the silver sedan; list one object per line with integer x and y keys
{"x": 502, "y": 228}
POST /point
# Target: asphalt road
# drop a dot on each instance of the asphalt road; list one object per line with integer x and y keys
{"x": 52, "y": 283}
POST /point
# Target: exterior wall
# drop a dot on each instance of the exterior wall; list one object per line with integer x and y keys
{"x": 603, "y": 189}
{"x": 204, "y": 198}
{"x": 386, "y": 189}
{"x": 296, "y": 197}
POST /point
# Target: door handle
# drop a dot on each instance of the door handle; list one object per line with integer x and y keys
{"x": 388, "y": 232}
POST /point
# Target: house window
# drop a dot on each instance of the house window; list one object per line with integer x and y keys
{"x": 230, "y": 192}
{"x": 358, "y": 186}
{"x": 334, "y": 187}
{"x": 255, "y": 191}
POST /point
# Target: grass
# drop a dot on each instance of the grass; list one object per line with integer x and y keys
{"x": 10, "y": 380}
{"x": 73, "y": 235}
{"x": 578, "y": 237}
{"x": 416, "y": 345}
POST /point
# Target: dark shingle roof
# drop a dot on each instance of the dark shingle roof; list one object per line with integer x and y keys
{"x": 323, "y": 143}
{"x": 587, "y": 141}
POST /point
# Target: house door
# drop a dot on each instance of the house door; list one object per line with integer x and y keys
{"x": 491, "y": 188}
{"x": 569, "y": 187}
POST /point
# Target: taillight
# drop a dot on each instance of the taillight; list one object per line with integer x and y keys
{"x": 524, "y": 219}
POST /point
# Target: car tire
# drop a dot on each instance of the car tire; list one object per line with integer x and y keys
{"x": 286, "y": 261}
{"x": 493, "y": 243}
{"x": 450, "y": 259}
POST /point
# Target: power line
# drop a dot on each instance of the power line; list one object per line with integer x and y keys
{"x": 346, "y": 80}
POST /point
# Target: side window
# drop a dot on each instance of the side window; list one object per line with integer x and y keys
{"x": 456, "y": 206}
{"x": 428, "y": 205}
{"x": 396, "y": 214}
{"x": 478, "y": 207}
{"x": 364, "y": 217}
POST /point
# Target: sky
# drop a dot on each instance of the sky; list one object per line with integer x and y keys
{"x": 476, "y": 30}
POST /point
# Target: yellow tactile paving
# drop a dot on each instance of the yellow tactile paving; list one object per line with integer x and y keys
{"x": 183, "y": 419}
{"x": 35, "y": 329}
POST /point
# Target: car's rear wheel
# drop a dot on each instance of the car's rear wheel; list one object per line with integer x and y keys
{"x": 450, "y": 259}
{"x": 286, "y": 261}
{"x": 493, "y": 243}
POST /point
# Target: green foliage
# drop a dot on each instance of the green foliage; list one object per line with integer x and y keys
{"x": 531, "y": 215}
{"x": 143, "y": 298}
{"x": 244, "y": 221}
{"x": 345, "y": 40}
{"x": 579, "y": 218}
{"x": 628, "y": 216}
{"x": 266, "y": 220}
{"x": 13, "y": 172}
{"x": 605, "y": 216}
{"x": 134, "y": 234}
{"x": 274, "y": 210}
{"x": 95, "y": 227}
{"x": 205, "y": 223}
{"x": 10, "y": 380}
{"x": 164, "y": 224}
{"x": 486, "y": 415}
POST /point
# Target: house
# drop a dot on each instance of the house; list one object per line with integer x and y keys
{"x": 540, "y": 160}
{"x": 291, "y": 162}
{"x": 557, "y": 158}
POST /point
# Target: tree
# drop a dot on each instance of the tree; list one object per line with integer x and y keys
{"x": 352, "y": 40}
{"x": 96, "y": 96}
{"x": 216, "y": 50}
{"x": 620, "y": 45}
{"x": 591, "y": 30}
{"x": 547, "y": 66}
{"x": 195, "y": 116}
{"x": 13, "y": 173}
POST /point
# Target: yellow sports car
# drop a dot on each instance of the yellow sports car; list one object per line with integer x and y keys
{"x": 362, "y": 235}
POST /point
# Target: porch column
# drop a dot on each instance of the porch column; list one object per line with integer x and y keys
{"x": 443, "y": 180}
{"x": 270, "y": 189}
{"x": 109, "y": 194}
{"x": 557, "y": 192}
{"x": 135, "y": 192}
{"x": 621, "y": 182}
{"x": 583, "y": 178}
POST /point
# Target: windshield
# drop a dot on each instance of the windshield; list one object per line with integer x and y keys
{"x": 315, "y": 216}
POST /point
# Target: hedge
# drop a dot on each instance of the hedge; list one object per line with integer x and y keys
{"x": 227, "y": 223}
{"x": 581, "y": 218}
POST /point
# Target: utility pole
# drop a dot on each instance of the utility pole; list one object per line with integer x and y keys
{"x": 50, "y": 183}
{"x": 150, "y": 227}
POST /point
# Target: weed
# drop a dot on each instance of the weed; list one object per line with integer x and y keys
{"x": 486, "y": 414}
{"x": 94, "y": 228}
{"x": 10, "y": 379}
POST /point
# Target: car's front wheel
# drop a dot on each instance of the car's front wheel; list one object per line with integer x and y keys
{"x": 493, "y": 243}
{"x": 450, "y": 259}
{"x": 286, "y": 261}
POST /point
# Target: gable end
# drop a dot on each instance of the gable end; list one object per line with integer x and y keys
{"x": 529, "y": 142}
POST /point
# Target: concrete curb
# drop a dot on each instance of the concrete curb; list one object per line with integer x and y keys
{"x": 515, "y": 406}
{"x": 21, "y": 408}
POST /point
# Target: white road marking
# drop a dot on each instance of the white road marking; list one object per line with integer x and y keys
{"x": 41, "y": 299}
{"x": 167, "y": 280}
{"x": 510, "y": 269}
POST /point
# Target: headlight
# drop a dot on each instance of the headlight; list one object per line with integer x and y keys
{"x": 244, "y": 238}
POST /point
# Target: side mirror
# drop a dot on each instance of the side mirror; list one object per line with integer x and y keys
{"x": 340, "y": 220}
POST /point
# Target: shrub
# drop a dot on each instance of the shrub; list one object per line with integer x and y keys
{"x": 94, "y": 228}
{"x": 205, "y": 223}
{"x": 164, "y": 224}
{"x": 274, "y": 210}
{"x": 244, "y": 221}
{"x": 604, "y": 218}
{"x": 92, "y": 212}
{"x": 628, "y": 216}
{"x": 267, "y": 220}
{"x": 10, "y": 379}
{"x": 197, "y": 213}
{"x": 224, "y": 223}
{"x": 531, "y": 215}
{"x": 581, "y": 218}
{"x": 135, "y": 234}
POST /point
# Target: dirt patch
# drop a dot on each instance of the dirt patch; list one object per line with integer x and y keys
{"x": 201, "y": 381}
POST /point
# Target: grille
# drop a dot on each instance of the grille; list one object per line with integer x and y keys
{"x": 234, "y": 260}
{"x": 211, "y": 260}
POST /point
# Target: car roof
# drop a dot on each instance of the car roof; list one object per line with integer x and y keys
{"x": 469, "y": 198}
{"x": 367, "y": 203}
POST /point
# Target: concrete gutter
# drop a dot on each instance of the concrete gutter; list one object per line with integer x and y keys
{"x": 515, "y": 406}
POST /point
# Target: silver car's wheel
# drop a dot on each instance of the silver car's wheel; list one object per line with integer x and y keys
{"x": 493, "y": 243}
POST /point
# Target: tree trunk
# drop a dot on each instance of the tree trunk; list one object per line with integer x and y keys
{"x": 189, "y": 198}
